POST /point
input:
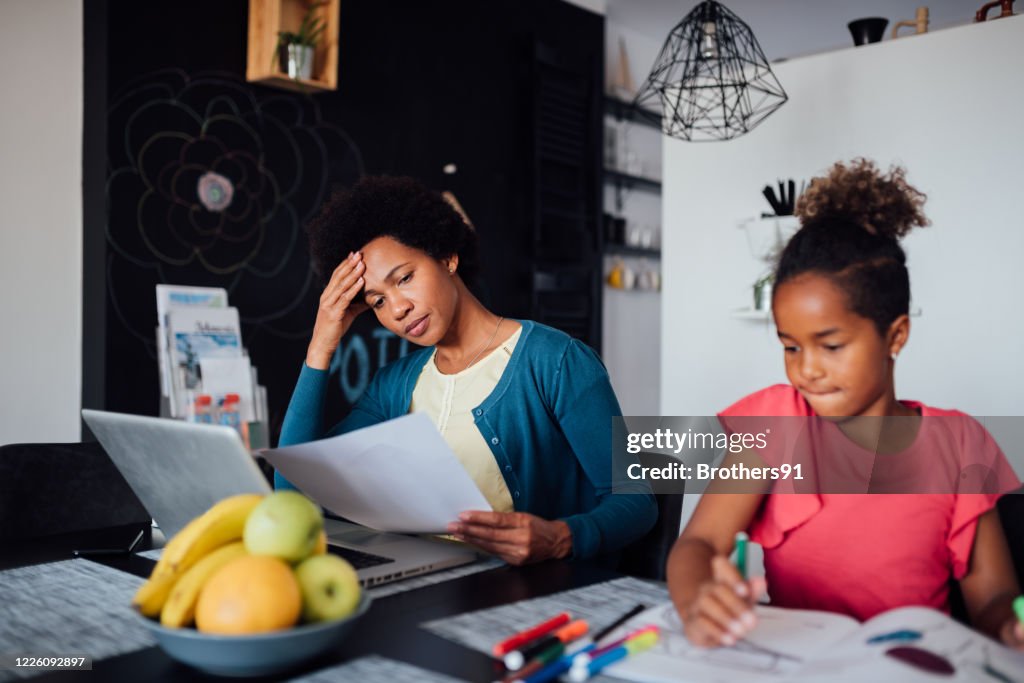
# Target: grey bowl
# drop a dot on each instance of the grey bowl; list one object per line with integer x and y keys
{"x": 253, "y": 655}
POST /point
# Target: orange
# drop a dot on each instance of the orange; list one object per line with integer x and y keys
{"x": 250, "y": 594}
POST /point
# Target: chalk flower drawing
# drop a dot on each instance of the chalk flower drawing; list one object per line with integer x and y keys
{"x": 211, "y": 185}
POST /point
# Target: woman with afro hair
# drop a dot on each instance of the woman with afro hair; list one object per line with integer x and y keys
{"x": 526, "y": 408}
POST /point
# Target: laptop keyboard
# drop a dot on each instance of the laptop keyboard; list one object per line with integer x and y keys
{"x": 360, "y": 560}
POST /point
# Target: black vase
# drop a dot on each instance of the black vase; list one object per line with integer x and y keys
{"x": 868, "y": 30}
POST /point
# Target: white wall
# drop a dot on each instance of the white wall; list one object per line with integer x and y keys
{"x": 946, "y": 105}
{"x": 41, "y": 220}
{"x": 631, "y": 344}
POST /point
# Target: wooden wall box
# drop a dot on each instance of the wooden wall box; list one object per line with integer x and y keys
{"x": 266, "y": 18}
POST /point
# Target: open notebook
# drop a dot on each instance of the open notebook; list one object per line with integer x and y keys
{"x": 906, "y": 644}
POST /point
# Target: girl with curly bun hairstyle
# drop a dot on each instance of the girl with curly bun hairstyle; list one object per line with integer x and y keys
{"x": 525, "y": 408}
{"x": 841, "y": 306}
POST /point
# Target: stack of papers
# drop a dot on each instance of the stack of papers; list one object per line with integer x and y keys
{"x": 199, "y": 342}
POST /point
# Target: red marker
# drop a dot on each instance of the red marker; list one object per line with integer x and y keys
{"x": 566, "y": 634}
{"x": 532, "y": 633}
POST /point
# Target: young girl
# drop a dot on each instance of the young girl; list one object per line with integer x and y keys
{"x": 841, "y": 305}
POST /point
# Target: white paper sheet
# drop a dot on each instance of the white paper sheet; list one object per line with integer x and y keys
{"x": 777, "y": 648}
{"x": 398, "y": 476}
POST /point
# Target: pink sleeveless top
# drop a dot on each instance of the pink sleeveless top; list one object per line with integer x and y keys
{"x": 861, "y": 554}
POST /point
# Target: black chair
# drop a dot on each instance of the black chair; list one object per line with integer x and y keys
{"x": 56, "y": 488}
{"x": 646, "y": 558}
{"x": 1011, "y": 516}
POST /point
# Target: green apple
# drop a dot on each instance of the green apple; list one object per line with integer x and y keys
{"x": 330, "y": 588}
{"x": 285, "y": 524}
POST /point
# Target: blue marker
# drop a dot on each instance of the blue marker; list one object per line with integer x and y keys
{"x": 551, "y": 671}
{"x": 645, "y": 641}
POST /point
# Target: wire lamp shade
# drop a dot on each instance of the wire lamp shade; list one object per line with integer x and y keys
{"x": 711, "y": 81}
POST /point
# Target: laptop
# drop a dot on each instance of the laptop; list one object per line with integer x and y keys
{"x": 179, "y": 469}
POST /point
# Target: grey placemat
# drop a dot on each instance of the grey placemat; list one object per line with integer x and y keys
{"x": 68, "y": 607}
{"x": 376, "y": 669}
{"x": 599, "y": 604}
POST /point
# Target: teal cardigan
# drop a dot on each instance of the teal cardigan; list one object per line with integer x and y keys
{"x": 548, "y": 423}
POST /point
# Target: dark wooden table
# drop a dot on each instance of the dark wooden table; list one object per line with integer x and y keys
{"x": 390, "y": 628}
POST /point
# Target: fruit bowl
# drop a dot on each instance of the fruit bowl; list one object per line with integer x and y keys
{"x": 257, "y": 654}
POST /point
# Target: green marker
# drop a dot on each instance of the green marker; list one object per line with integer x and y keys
{"x": 741, "y": 555}
{"x": 1018, "y": 607}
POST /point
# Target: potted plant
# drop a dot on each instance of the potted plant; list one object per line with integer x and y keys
{"x": 295, "y": 49}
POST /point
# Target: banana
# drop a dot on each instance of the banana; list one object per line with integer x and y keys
{"x": 180, "y": 608}
{"x": 152, "y": 595}
{"x": 182, "y": 539}
{"x": 220, "y": 525}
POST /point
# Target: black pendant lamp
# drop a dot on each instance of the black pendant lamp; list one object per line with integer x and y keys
{"x": 711, "y": 81}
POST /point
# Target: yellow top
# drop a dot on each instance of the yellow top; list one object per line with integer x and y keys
{"x": 449, "y": 400}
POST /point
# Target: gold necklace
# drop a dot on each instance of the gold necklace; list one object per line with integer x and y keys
{"x": 479, "y": 353}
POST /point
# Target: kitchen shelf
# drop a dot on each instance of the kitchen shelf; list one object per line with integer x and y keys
{"x": 624, "y": 250}
{"x": 627, "y": 111}
{"x": 751, "y": 314}
{"x": 620, "y": 179}
{"x": 633, "y": 291}
{"x": 786, "y": 224}
{"x": 754, "y": 314}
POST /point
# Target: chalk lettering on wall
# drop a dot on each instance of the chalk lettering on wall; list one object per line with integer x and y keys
{"x": 352, "y": 363}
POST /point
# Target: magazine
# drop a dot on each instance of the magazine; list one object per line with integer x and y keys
{"x": 195, "y": 333}
{"x": 177, "y": 296}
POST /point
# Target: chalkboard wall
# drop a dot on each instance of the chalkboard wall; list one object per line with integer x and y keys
{"x": 421, "y": 85}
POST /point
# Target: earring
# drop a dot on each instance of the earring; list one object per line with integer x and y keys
{"x": 451, "y": 271}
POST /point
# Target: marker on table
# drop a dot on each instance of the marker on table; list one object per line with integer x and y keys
{"x": 530, "y": 634}
{"x": 585, "y": 656}
{"x": 543, "y": 647}
{"x": 552, "y": 670}
{"x": 632, "y": 647}
{"x": 619, "y": 622}
{"x": 551, "y": 655}
{"x": 741, "y": 553}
